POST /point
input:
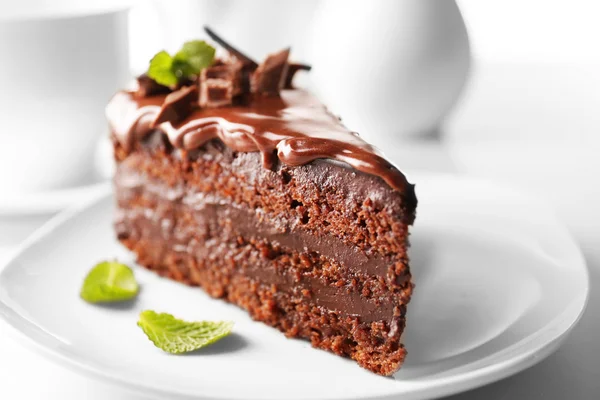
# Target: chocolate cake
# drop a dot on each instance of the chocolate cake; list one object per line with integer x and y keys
{"x": 237, "y": 182}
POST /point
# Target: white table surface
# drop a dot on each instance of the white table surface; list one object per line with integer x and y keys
{"x": 534, "y": 126}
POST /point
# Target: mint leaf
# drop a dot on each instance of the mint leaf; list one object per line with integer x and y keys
{"x": 189, "y": 61}
{"x": 161, "y": 69}
{"x": 109, "y": 281}
{"x": 182, "y": 68}
{"x": 197, "y": 54}
{"x": 176, "y": 336}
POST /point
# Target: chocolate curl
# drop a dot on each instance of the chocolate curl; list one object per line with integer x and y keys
{"x": 147, "y": 87}
{"x": 247, "y": 61}
{"x": 177, "y": 106}
{"x": 269, "y": 77}
{"x": 292, "y": 69}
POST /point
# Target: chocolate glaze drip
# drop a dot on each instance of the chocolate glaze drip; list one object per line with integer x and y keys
{"x": 293, "y": 128}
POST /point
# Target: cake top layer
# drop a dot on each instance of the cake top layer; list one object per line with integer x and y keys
{"x": 293, "y": 127}
{"x": 246, "y": 106}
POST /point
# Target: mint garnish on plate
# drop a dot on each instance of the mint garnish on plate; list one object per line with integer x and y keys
{"x": 169, "y": 70}
{"x": 109, "y": 281}
{"x": 176, "y": 336}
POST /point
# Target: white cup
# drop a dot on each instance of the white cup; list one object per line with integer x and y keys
{"x": 61, "y": 62}
{"x": 392, "y": 69}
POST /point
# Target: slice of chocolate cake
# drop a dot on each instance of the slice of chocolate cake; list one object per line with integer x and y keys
{"x": 262, "y": 197}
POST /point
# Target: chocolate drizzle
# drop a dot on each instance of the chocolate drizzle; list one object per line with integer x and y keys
{"x": 294, "y": 128}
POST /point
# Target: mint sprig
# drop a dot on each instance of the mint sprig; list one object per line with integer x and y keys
{"x": 169, "y": 70}
{"x": 161, "y": 69}
{"x": 176, "y": 336}
{"x": 197, "y": 54}
{"x": 109, "y": 281}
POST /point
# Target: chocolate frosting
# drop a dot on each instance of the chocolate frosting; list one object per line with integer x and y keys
{"x": 293, "y": 128}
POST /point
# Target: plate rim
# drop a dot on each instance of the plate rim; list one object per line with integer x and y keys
{"x": 21, "y": 329}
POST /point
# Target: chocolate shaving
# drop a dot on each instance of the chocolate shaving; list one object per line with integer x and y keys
{"x": 250, "y": 65}
{"x": 269, "y": 77}
{"x": 147, "y": 87}
{"x": 222, "y": 82}
{"x": 177, "y": 106}
{"x": 292, "y": 69}
{"x": 238, "y": 54}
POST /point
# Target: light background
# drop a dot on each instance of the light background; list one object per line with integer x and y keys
{"x": 529, "y": 117}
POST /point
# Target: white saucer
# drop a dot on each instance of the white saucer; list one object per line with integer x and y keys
{"x": 50, "y": 201}
{"x": 499, "y": 284}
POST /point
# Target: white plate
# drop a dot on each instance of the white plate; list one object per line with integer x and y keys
{"x": 499, "y": 283}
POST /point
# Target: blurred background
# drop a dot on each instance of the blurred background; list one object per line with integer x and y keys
{"x": 507, "y": 91}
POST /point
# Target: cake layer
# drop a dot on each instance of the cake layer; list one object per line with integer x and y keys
{"x": 194, "y": 232}
{"x": 156, "y": 211}
{"x": 323, "y": 196}
{"x": 261, "y": 279}
{"x": 286, "y": 244}
{"x": 280, "y": 230}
